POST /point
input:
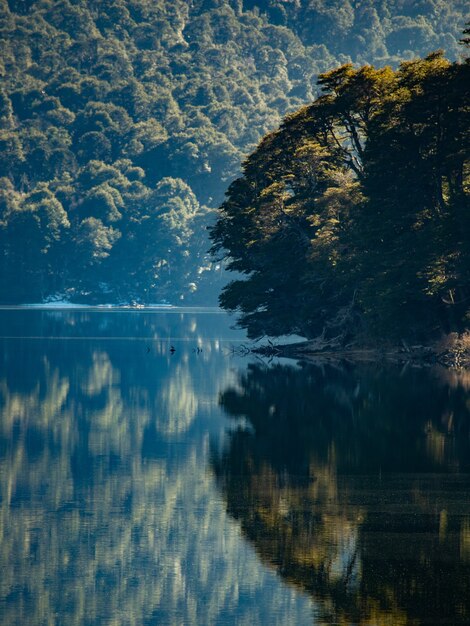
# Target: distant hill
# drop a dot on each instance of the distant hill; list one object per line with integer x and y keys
{"x": 123, "y": 122}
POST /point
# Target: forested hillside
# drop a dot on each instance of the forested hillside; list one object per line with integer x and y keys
{"x": 352, "y": 221}
{"x": 122, "y": 123}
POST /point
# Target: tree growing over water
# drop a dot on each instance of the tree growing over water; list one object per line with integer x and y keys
{"x": 353, "y": 218}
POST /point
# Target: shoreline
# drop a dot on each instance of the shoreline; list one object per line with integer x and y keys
{"x": 451, "y": 352}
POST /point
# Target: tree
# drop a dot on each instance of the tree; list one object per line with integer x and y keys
{"x": 366, "y": 193}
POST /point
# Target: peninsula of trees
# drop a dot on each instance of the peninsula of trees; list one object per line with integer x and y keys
{"x": 123, "y": 122}
{"x": 352, "y": 221}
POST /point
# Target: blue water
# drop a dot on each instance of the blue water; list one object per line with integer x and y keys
{"x": 144, "y": 485}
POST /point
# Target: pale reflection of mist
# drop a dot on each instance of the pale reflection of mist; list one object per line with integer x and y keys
{"x": 178, "y": 403}
{"x": 100, "y": 375}
{"x": 40, "y": 405}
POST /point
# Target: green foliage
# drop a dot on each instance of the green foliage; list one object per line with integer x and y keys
{"x": 352, "y": 220}
{"x": 174, "y": 91}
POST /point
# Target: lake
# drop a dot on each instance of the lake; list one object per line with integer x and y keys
{"x": 141, "y": 485}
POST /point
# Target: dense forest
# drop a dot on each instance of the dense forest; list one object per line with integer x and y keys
{"x": 122, "y": 123}
{"x": 352, "y": 221}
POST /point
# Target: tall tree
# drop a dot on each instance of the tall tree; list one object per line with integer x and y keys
{"x": 353, "y": 217}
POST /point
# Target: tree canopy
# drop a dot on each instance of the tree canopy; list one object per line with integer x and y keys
{"x": 107, "y": 106}
{"x": 352, "y": 220}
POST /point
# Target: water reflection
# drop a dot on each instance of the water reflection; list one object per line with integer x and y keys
{"x": 353, "y": 484}
{"x": 108, "y": 511}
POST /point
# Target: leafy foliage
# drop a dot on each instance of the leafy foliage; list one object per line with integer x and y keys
{"x": 352, "y": 220}
{"x": 101, "y": 100}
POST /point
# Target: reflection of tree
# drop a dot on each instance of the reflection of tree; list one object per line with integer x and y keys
{"x": 343, "y": 481}
{"x": 100, "y": 519}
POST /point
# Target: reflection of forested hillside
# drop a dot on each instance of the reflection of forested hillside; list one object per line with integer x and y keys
{"x": 157, "y": 325}
{"x": 354, "y": 485}
{"x": 122, "y": 122}
{"x": 107, "y": 512}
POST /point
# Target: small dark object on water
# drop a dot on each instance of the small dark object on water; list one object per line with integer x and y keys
{"x": 172, "y": 349}
{"x": 148, "y": 349}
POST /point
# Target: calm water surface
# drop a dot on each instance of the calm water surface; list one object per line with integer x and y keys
{"x": 142, "y": 487}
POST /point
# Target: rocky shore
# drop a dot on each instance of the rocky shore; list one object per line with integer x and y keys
{"x": 452, "y": 351}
